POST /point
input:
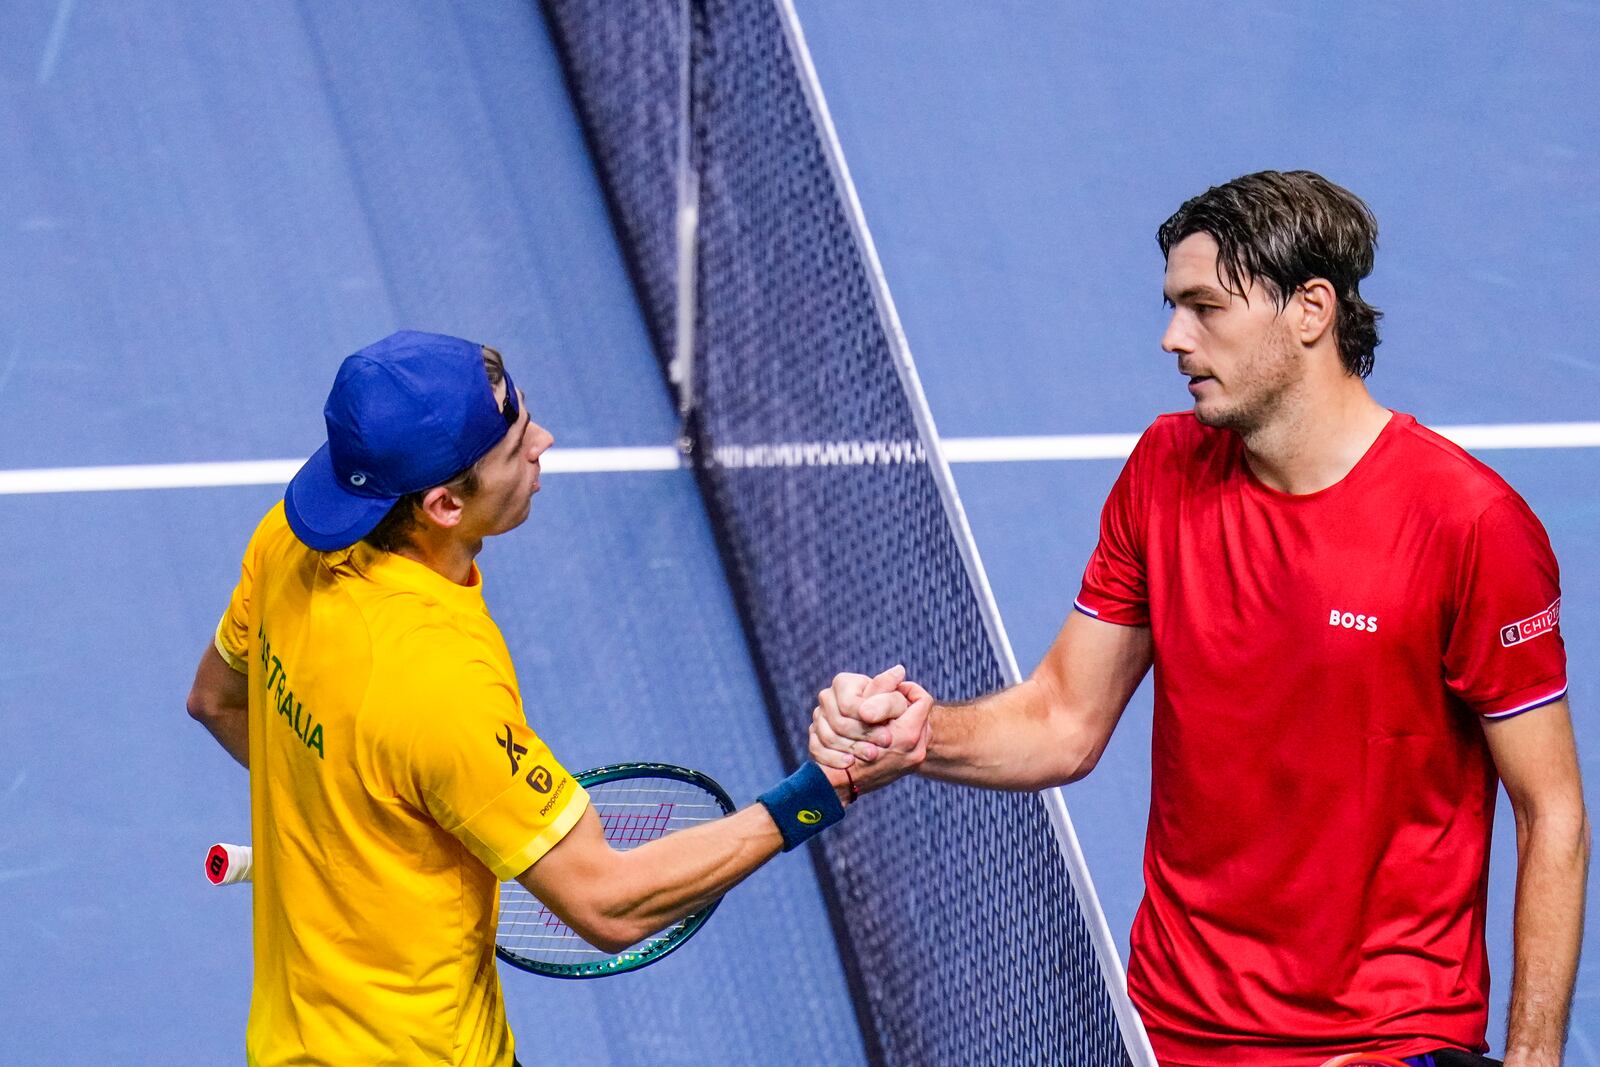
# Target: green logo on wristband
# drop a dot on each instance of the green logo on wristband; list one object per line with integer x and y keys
{"x": 809, "y": 816}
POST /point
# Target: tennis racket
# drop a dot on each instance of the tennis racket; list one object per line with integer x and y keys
{"x": 637, "y": 803}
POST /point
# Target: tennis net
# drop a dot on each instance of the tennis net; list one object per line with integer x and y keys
{"x": 969, "y": 925}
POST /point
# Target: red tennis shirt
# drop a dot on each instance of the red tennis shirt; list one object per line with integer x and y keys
{"x": 1321, "y": 793}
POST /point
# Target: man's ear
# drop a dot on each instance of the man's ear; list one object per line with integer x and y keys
{"x": 442, "y": 506}
{"x": 1319, "y": 306}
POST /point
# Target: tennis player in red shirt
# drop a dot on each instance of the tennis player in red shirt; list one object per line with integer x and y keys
{"x": 1355, "y": 630}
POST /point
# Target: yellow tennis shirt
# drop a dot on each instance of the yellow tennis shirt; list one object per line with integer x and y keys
{"x": 393, "y": 783}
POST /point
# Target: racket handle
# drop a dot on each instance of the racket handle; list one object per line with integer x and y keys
{"x": 228, "y": 864}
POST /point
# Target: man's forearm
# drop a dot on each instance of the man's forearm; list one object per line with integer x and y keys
{"x": 1552, "y": 875}
{"x": 679, "y": 873}
{"x": 1013, "y": 739}
{"x": 1046, "y": 731}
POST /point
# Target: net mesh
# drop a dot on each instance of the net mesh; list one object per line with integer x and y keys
{"x": 969, "y": 942}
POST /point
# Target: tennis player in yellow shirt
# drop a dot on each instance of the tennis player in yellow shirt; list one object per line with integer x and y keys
{"x": 359, "y": 677}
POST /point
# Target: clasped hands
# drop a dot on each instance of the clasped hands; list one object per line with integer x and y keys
{"x": 875, "y": 728}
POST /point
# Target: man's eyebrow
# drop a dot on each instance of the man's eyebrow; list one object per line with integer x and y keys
{"x": 1193, "y": 293}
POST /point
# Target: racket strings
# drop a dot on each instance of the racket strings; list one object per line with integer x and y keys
{"x": 632, "y": 812}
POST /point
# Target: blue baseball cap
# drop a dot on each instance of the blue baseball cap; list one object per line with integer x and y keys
{"x": 405, "y": 414}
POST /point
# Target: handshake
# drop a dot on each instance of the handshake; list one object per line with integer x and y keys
{"x": 875, "y": 729}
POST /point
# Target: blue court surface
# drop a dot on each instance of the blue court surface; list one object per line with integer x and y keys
{"x": 206, "y": 206}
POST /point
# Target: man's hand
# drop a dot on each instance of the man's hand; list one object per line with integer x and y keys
{"x": 876, "y": 728}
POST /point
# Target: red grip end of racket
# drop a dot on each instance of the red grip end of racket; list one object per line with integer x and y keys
{"x": 217, "y": 865}
{"x": 229, "y": 864}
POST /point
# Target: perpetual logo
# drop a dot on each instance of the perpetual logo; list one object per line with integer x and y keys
{"x": 809, "y": 816}
{"x": 1349, "y": 620}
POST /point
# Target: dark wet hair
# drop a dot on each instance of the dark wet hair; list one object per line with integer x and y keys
{"x": 1284, "y": 228}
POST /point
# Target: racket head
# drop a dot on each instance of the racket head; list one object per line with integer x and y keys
{"x": 637, "y": 803}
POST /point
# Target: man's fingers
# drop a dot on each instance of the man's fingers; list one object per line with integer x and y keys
{"x": 913, "y": 691}
{"x": 823, "y": 732}
{"x": 829, "y": 757}
{"x": 921, "y": 708}
{"x": 848, "y": 725}
{"x": 882, "y": 708}
{"x": 919, "y": 700}
{"x": 915, "y": 721}
{"x": 886, "y": 682}
{"x": 868, "y": 705}
{"x": 848, "y": 688}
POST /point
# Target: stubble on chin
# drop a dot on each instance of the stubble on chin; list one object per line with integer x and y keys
{"x": 1261, "y": 385}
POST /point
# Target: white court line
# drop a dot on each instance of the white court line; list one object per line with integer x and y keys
{"x": 279, "y": 471}
{"x": 1525, "y": 435}
{"x": 1035, "y": 449}
{"x": 666, "y": 457}
{"x": 1118, "y": 445}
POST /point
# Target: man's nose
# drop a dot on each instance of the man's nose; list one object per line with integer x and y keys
{"x": 1175, "y": 338}
{"x": 541, "y": 442}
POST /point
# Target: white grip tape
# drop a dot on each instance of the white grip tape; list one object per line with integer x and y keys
{"x": 228, "y": 864}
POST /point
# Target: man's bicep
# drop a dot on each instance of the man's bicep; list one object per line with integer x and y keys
{"x": 1096, "y": 661}
{"x": 1536, "y": 757}
{"x": 218, "y": 683}
{"x": 1093, "y": 668}
{"x": 219, "y": 699}
{"x": 565, "y": 875}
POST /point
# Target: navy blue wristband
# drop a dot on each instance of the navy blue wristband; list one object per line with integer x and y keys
{"x": 803, "y": 805}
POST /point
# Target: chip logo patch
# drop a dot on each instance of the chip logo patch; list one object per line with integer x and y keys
{"x": 1514, "y": 633}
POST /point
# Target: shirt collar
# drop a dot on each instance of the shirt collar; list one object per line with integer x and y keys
{"x": 396, "y": 571}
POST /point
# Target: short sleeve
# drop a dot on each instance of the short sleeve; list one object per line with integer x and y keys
{"x": 232, "y": 639}
{"x": 487, "y": 779}
{"x": 1504, "y": 654}
{"x": 1114, "y": 585}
